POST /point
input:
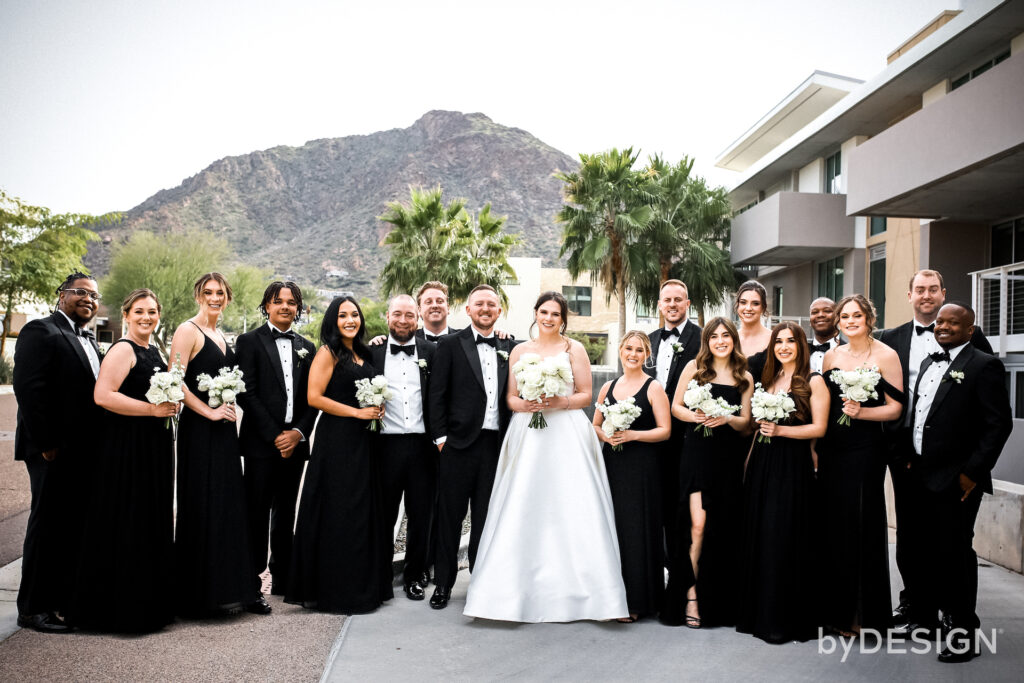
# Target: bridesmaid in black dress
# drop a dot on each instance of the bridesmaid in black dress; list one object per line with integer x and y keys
{"x": 712, "y": 483}
{"x": 634, "y": 476}
{"x": 777, "y": 594}
{"x": 752, "y": 308}
{"x": 128, "y": 546}
{"x": 854, "y": 534}
{"x": 338, "y": 564}
{"x": 213, "y": 562}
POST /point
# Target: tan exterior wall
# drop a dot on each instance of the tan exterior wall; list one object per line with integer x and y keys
{"x": 902, "y": 239}
{"x": 932, "y": 26}
{"x": 602, "y": 315}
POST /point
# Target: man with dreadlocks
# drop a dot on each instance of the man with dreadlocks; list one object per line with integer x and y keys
{"x": 56, "y": 362}
{"x": 276, "y": 425}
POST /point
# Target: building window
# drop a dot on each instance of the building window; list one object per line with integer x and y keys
{"x": 578, "y": 298}
{"x": 830, "y": 278}
{"x": 876, "y": 282}
{"x": 777, "y": 301}
{"x": 833, "y": 173}
{"x": 878, "y": 225}
{"x": 978, "y": 70}
{"x": 105, "y": 337}
{"x": 1007, "y": 243}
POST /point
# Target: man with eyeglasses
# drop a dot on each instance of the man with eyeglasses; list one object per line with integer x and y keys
{"x": 56, "y": 361}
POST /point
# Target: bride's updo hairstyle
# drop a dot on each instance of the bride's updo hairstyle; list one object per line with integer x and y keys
{"x": 563, "y": 306}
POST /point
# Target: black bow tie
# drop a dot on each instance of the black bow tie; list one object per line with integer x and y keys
{"x": 921, "y": 329}
{"x": 939, "y": 355}
{"x": 674, "y": 332}
{"x": 406, "y": 349}
{"x": 85, "y": 332}
{"x": 431, "y": 337}
{"x": 278, "y": 334}
{"x": 490, "y": 341}
{"x": 820, "y": 347}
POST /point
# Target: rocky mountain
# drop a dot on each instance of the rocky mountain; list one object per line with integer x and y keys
{"x": 310, "y": 212}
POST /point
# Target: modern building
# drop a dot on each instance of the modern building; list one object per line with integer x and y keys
{"x": 851, "y": 187}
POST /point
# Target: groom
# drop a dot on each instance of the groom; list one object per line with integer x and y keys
{"x": 468, "y": 416}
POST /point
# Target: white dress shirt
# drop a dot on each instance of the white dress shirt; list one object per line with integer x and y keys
{"x": 489, "y": 367}
{"x": 90, "y": 352}
{"x": 284, "y": 350}
{"x": 921, "y": 345}
{"x": 930, "y": 381}
{"x": 663, "y": 363}
{"x": 403, "y": 412}
{"x": 818, "y": 357}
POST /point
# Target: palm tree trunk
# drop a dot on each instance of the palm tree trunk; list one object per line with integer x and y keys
{"x": 6, "y": 329}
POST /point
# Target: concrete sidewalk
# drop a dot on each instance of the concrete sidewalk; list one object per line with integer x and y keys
{"x": 407, "y": 640}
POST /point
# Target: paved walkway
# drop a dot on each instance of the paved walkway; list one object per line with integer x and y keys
{"x": 409, "y": 641}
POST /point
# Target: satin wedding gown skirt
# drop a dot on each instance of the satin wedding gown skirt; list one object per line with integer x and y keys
{"x": 549, "y": 551}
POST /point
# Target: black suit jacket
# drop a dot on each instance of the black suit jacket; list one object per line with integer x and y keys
{"x": 689, "y": 337}
{"x": 967, "y": 424}
{"x": 420, "y": 333}
{"x": 264, "y": 400}
{"x": 899, "y": 339}
{"x": 457, "y": 397}
{"x": 53, "y": 383}
{"x": 424, "y": 351}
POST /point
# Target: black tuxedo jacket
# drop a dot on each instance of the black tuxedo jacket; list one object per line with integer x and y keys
{"x": 421, "y": 333}
{"x": 899, "y": 339}
{"x": 53, "y": 383}
{"x": 424, "y": 351}
{"x": 968, "y": 423}
{"x": 264, "y": 400}
{"x": 457, "y": 397}
{"x": 689, "y": 337}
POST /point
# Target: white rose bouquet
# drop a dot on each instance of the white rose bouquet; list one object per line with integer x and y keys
{"x": 166, "y": 387}
{"x": 618, "y": 416}
{"x": 698, "y": 397}
{"x": 538, "y": 377}
{"x": 224, "y": 388}
{"x": 768, "y": 407}
{"x": 373, "y": 392}
{"x": 856, "y": 385}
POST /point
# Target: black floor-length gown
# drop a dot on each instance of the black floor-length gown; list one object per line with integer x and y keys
{"x": 338, "y": 564}
{"x": 634, "y": 477}
{"x": 776, "y": 587}
{"x": 128, "y": 547}
{"x": 712, "y": 465}
{"x": 212, "y": 555}
{"x": 756, "y": 363}
{"x": 853, "y": 534}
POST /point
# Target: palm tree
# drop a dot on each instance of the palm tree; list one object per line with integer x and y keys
{"x": 435, "y": 241}
{"x": 688, "y": 235}
{"x": 609, "y": 211}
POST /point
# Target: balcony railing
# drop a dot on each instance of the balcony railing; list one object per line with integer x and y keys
{"x": 998, "y": 299}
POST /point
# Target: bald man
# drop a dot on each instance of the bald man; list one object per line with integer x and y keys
{"x": 823, "y": 324}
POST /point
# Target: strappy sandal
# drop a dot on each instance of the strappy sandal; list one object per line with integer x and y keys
{"x": 692, "y": 622}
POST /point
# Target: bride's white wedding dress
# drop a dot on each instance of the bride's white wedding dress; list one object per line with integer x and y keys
{"x": 549, "y": 550}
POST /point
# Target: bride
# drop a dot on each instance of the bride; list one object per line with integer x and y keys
{"x": 549, "y": 551}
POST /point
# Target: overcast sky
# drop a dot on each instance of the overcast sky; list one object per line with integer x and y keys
{"x": 103, "y": 103}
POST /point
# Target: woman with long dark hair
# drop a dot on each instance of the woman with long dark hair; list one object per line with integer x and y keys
{"x": 711, "y": 483}
{"x": 776, "y": 586}
{"x": 337, "y": 562}
{"x": 751, "y": 308}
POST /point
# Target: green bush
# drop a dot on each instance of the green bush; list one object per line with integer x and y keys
{"x": 6, "y": 370}
{"x": 595, "y": 345}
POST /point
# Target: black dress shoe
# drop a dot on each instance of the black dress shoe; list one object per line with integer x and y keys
{"x": 908, "y": 630}
{"x": 424, "y": 579}
{"x": 440, "y": 598}
{"x": 901, "y": 615}
{"x": 960, "y": 650}
{"x": 47, "y": 622}
{"x": 414, "y": 591}
{"x": 259, "y": 606}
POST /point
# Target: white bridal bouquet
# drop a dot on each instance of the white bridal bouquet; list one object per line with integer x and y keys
{"x": 224, "y": 388}
{"x": 698, "y": 397}
{"x": 165, "y": 387}
{"x": 538, "y": 377}
{"x": 618, "y": 417}
{"x": 856, "y": 385}
{"x": 769, "y": 407}
{"x": 373, "y": 392}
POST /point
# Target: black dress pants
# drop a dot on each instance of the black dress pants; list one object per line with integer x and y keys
{"x": 407, "y": 465}
{"x": 271, "y": 492}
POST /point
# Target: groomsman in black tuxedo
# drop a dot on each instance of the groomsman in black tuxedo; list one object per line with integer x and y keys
{"x": 672, "y": 347}
{"x": 405, "y": 456}
{"x": 276, "y": 426}
{"x": 468, "y": 418}
{"x": 913, "y": 342}
{"x": 432, "y": 299}
{"x": 959, "y": 423}
{"x": 823, "y": 324}
{"x": 56, "y": 362}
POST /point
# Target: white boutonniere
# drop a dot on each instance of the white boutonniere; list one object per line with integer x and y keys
{"x": 302, "y": 353}
{"x": 677, "y": 347}
{"x": 422, "y": 362}
{"x": 503, "y": 354}
{"x": 957, "y": 376}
